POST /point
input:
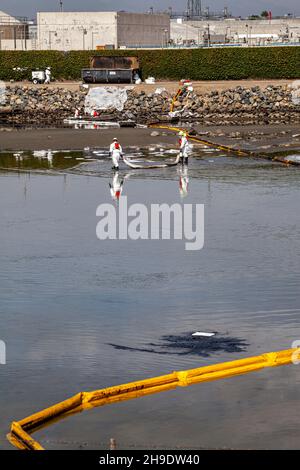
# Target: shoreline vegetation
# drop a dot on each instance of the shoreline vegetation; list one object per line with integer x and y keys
{"x": 232, "y": 63}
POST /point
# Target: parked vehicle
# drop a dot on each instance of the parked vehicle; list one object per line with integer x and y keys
{"x": 111, "y": 69}
{"x": 38, "y": 76}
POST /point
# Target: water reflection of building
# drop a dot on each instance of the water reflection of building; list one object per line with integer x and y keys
{"x": 44, "y": 154}
{"x": 18, "y": 156}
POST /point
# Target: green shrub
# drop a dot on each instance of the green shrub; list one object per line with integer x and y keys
{"x": 234, "y": 63}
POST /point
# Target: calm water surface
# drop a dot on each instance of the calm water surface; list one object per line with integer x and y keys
{"x": 66, "y": 297}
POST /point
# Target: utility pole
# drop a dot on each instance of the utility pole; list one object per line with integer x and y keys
{"x": 50, "y": 42}
{"x": 84, "y": 33}
{"x": 208, "y": 35}
{"x": 164, "y": 39}
{"x": 24, "y": 34}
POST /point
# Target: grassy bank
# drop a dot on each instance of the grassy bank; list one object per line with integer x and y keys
{"x": 196, "y": 64}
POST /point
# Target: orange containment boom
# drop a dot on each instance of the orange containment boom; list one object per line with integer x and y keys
{"x": 19, "y": 435}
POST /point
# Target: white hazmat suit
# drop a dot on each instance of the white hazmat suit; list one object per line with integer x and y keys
{"x": 116, "y": 152}
{"x": 48, "y": 75}
{"x": 184, "y": 147}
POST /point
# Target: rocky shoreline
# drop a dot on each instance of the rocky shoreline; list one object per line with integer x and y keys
{"x": 43, "y": 106}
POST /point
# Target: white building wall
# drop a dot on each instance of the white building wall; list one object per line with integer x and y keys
{"x": 138, "y": 30}
{"x": 18, "y": 45}
{"x": 76, "y": 30}
{"x": 10, "y": 27}
{"x": 236, "y": 28}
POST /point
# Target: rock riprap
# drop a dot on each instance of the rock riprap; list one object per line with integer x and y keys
{"x": 239, "y": 105}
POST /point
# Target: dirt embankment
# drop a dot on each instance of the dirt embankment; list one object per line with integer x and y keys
{"x": 266, "y": 138}
{"x": 171, "y": 86}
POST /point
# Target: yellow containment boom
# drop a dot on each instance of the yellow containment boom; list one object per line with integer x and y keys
{"x": 225, "y": 148}
{"x": 20, "y": 437}
{"x": 241, "y": 153}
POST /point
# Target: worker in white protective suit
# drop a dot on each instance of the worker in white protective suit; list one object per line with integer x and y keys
{"x": 116, "y": 187}
{"x": 184, "y": 147}
{"x": 48, "y": 75}
{"x": 115, "y": 153}
{"x": 77, "y": 113}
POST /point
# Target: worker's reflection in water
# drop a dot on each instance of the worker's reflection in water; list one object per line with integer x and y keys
{"x": 183, "y": 180}
{"x": 50, "y": 157}
{"x": 116, "y": 187}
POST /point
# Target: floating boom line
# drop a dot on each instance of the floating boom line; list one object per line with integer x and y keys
{"x": 226, "y": 148}
{"x": 20, "y": 437}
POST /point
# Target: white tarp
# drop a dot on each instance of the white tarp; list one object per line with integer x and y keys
{"x": 293, "y": 158}
{"x": 2, "y": 93}
{"x": 296, "y": 92}
{"x": 103, "y": 98}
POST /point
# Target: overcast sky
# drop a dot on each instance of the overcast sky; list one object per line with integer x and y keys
{"x": 237, "y": 7}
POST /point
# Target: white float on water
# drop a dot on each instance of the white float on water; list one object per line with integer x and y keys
{"x": 201, "y": 333}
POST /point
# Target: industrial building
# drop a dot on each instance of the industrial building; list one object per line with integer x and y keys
{"x": 235, "y": 31}
{"x": 198, "y": 26}
{"x": 91, "y": 30}
{"x": 14, "y": 33}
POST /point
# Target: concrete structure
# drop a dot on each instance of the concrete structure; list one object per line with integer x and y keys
{"x": 233, "y": 30}
{"x": 87, "y": 30}
{"x": 14, "y": 33}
